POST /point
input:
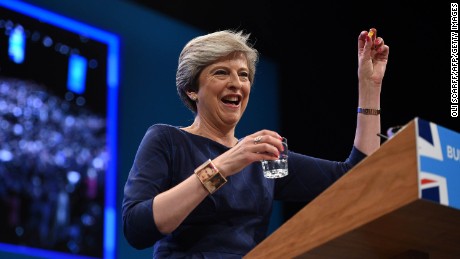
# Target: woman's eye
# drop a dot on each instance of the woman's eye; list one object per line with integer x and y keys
{"x": 244, "y": 74}
{"x": 220, "y": 72}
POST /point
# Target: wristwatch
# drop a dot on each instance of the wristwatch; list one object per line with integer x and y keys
{"x": 210, "y": 177}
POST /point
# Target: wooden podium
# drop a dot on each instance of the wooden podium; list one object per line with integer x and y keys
{"x": 374, "y": 211}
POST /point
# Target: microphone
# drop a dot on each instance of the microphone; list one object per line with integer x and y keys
{"x": 390, "y": 132}
{"x": 393, "y": 130}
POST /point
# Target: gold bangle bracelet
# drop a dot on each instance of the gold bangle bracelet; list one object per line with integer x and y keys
{"x": 210, "y": 177}
{"x": 368, "y": 111}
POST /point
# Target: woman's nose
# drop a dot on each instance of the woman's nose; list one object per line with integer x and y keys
{"x": 235, "y": 81}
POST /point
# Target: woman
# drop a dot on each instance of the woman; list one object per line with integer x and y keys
{"x": 199, "y": 191}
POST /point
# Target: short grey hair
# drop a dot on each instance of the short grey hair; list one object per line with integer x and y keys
{"x": 204, "y": 50}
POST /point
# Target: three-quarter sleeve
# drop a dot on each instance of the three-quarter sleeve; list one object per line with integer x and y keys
{"x": 149, "y": 176}
{"x": 309, "y": 176}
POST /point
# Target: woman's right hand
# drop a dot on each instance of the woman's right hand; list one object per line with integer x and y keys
{"x": 262, "y": 145}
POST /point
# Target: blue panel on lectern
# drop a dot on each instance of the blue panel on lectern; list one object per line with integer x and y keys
{"x": 439, "y": 163}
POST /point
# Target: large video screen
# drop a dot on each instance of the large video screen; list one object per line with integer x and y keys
{"x": 58, "y": 120}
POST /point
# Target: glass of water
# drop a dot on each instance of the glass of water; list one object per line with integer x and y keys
{"x": 277, "y": 168}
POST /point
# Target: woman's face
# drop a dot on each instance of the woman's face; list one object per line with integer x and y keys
{"x": 224, "y": 89}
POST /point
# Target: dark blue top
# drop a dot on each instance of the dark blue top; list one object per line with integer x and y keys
{"x": 228, "y": 223}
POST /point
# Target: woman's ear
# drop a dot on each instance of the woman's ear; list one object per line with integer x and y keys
{"x": 192, "y": 96}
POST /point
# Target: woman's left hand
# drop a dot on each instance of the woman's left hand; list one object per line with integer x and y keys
{"x": 372, "y": 58}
